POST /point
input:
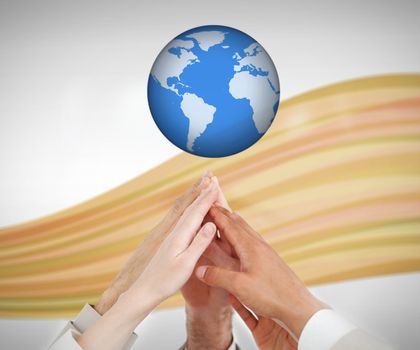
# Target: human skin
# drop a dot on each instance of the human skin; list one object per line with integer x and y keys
{"x": 138, "y": 261}
{"x": 267, "y": 333}
{"x": 169, "y": 269}
{"x": 263, "y": 282}
{"x": 209, "y": 313}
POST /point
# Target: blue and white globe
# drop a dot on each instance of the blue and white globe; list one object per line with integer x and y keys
{"x": 213, "y": 91}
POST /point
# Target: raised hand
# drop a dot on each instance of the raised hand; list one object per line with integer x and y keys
{"x": 168, "y": 270}
{"x": 264, "y": 282}
{"x": 138, "y": 261}
{"x": 174, "y": 262}
{"x": 267, "y": 333}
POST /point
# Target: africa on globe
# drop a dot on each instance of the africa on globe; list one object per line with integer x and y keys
{"x": 213, "y": 91}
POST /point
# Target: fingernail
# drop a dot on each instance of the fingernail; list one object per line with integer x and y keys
{"x": 201, "y": 271}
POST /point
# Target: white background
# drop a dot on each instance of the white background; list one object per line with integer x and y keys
{"x": 74, "y": 120}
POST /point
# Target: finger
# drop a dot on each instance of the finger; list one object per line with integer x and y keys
{"x": 219, "y": 257}
{"x": 206, "y": 219}
{"x": 193, "y": 216}
{"x": 224, "y": 210}
{"x": 246, "y": 315}
{"x": 241, "y": 221}
{"x": 221, "y": 199}
{"x": 201, "y": 241}
{"x": 230, "y": 230}
{"x": 184, "y": 201}
{"x": 226, "y": 247}
{"x": 219, "y": 277}
{"x": 222, "y": 242}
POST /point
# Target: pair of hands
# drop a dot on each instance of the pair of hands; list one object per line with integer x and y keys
{"x": 164, "y": 263}
{"x": 143, "y": 255}
{"x": 245, "y": 267}
{"x": 255, "y": 276}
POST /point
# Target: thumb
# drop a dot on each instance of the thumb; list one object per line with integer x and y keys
{"x": 219, "y": 277}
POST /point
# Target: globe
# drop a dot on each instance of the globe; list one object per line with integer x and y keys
{"x": 213, "y": 91}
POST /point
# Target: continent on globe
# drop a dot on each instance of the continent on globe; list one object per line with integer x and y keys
{"x": 176, "y": 56}
{"x": 213, "y": 91}
{"x": 254, "y": 87}
{"x": 208, "y": 39}
{"x": 200, "y": 115}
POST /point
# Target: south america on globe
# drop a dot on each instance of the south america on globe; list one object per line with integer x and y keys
{"x": 213, "y": 91}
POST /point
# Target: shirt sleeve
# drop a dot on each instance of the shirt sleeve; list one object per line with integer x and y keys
{"x": 327, "y": 330}
{"x": 66, "y": 340}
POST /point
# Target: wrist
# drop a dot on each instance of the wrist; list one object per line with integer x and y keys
{"x": 297, "y": 314}
{"x": 137, "y": 302}
{"x": 209, "y": 328}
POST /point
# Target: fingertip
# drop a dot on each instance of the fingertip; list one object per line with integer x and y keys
{"x": 208, "y": 185}
{"x": 216, "y": 180}
{"x": 205, "y": 182}
{"x": 209, "y": 229}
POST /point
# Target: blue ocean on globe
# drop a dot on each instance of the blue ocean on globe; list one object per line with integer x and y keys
{"x": 213, "y": 91}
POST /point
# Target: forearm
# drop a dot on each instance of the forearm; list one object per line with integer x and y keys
{"x": 130, "y": 272}
{"x": 209, "y": 328}
{"x": 114, "y": 328}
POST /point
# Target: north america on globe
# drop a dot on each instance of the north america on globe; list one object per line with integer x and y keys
{"x": 213, "y": 91}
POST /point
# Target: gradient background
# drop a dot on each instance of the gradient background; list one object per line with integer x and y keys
{"x": 74, "y": 120}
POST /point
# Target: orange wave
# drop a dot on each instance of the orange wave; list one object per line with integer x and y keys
{"x": 334, "y": 186}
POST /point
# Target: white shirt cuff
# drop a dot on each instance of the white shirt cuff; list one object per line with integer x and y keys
{"x": 323, "y": 330}
{"x": 86, "y": 318}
